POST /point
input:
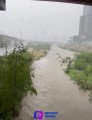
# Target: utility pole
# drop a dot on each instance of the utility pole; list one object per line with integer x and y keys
{"x": 6, "y": 49}
{"x": 5, "y": 45}
{"x": 21, "y": 37}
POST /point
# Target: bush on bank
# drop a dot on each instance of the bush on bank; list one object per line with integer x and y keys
{"x": 15, "y": 81}
{"x": 37, "y": 54}
{"x": 80, "y": 70}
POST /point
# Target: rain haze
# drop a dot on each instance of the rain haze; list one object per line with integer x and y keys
{"x": 40, "y": 21}
{"x": 45, "y": 61}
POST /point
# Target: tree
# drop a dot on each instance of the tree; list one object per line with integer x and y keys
{"x": 15, "y": 81}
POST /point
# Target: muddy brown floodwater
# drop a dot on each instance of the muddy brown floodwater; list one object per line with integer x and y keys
{"x": 56, "y": 92}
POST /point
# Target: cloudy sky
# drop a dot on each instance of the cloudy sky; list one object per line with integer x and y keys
{"x": 47, "y": 21}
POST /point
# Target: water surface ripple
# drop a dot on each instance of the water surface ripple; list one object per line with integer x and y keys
{"x": 56, "y": 92}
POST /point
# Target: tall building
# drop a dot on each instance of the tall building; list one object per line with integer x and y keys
{"x": 85, "y": 28}
{"x": 87, "y": 10}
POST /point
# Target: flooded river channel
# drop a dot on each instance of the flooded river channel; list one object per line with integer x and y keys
{"x": 56, "y": 92}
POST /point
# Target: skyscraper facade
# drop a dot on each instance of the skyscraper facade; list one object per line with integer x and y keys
{"x": 85, "y": 28}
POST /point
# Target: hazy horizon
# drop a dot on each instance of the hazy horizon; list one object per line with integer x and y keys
{"x": 40, "y": 21}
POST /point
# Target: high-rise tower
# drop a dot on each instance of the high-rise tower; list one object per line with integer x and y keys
{"x": 85, "y": 28}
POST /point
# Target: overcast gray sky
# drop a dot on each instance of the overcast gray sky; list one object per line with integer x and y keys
{"x": 40, "y": 20}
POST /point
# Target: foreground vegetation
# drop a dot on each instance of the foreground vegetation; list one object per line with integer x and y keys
{"x": 80, "y": 70}
{"x": 15, "y": 81}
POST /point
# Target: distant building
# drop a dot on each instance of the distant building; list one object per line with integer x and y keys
{"x": 87, "y": 10}
{"x": 85, "y": 27}
{"x": 76, "y": 38}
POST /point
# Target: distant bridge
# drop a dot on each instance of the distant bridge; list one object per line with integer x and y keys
{"x": 4, "y": 39}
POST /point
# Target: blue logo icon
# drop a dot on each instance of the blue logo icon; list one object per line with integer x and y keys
{"x": 38, "y": 115}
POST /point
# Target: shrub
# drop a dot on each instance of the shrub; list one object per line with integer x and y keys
{"x": 15, "y": 81}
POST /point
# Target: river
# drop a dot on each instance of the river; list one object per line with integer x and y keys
{"x": 56, "y": 92}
